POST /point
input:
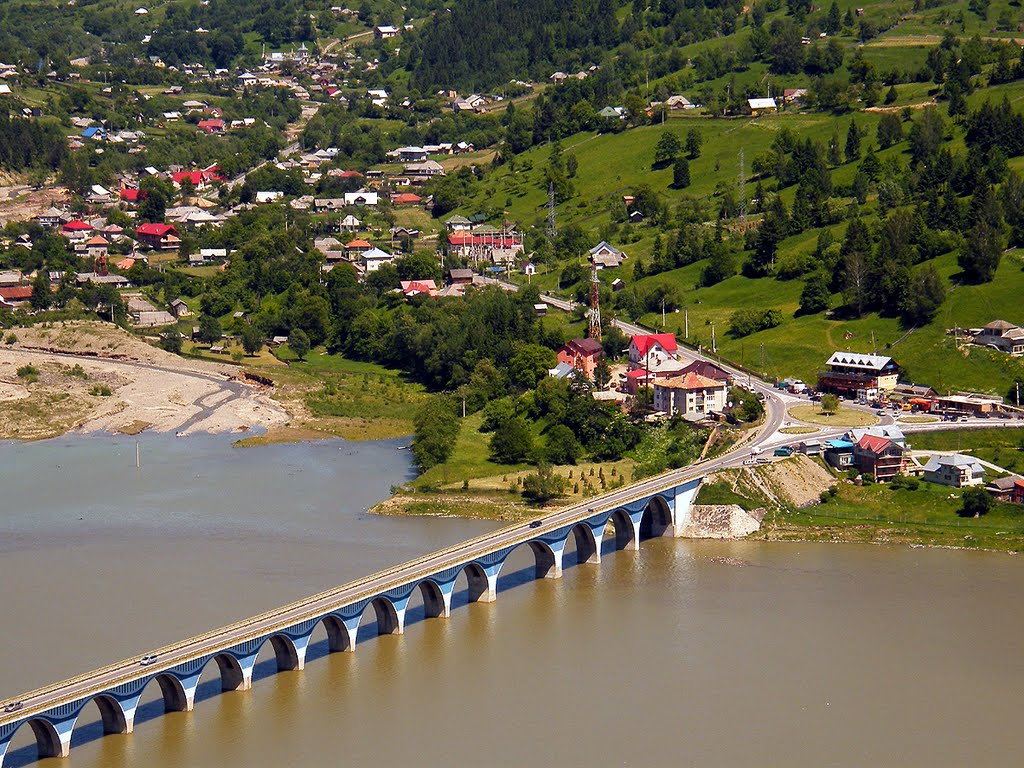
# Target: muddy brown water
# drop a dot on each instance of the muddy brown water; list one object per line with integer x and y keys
{"x": 685, "y": 653}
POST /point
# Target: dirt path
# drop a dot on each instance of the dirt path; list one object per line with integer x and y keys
{"x": 56, "y": 380}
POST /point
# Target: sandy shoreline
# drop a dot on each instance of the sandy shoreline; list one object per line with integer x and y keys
{"x": 96, "y": 378}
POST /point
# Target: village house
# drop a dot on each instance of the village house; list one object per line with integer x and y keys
{"x": 418, "y": 288}
{"x": 372, "y": 259}
{"x": 428, "y": 169}
{"x": 96, "y": 247}
{"x": 606, "y": 256}
{"x": 858, "y": 376}
{"x": 1001, "y": 335}
{"x": 839, "y": 453}
{"x": 76, "y": 230}
{"x": 458, "y": 223}
{"x": 967, "y": 404}
{"x": 690, "y": 396}
{"x": 761, "y": 106}
{"x": 15, "y": 296}
{"x": 354, "y": 247}
{"x": 385, "y": 32}
{"x": 880, "y": 457}
{"x": 361, "y": 198}
{"x": 161, "y": 237}
{"x": 583, "y": 355}
{"x": 486, "y": 244}
{"x": 957, "y": 471}
{"x": 650, "y": 349}
{"x": 708, "y": 370}
{"x": 350, "y": 224}
{"x": 212, "y": 125}
{"x": 50, "y": 218}
{"x": 179, "y": 308}
{"x": 144, "y": 314}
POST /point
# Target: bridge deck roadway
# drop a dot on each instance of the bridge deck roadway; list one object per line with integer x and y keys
{"x": 98, "y": 681}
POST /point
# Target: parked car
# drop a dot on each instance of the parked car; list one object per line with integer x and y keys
{"x": 783, "y": 451}
{"x": 749, "y": 462}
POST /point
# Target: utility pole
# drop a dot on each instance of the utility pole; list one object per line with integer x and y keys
{"x": 662, "y": 311}
{"x": 714, "y": 349}
{"x": 686, "y": 322}
{"x": 742, "y": 189}
{"x": 552, "y": 232}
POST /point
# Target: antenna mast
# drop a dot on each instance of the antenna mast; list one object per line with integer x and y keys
{"x": 594, "y": 329}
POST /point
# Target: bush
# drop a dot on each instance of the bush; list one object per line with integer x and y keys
{"x": 744, "y": 322}
{"x": 77, "y": 371}
{"x": 100, "y": 390}
{"x": 906, "y": 483}
{"x": 975, "y": 502}
{"x": 12, "y": 338}
{"x": 28, "y": 372}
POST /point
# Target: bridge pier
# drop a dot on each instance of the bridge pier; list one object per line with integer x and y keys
{"x": 235, "y": 673}
{"x": 683, "y": 501}
{"x": 118, "y": 715}
{"x": 483, "y": 582}
{"x": 437, "y": 599}
{"x": 588, "y": 547}
{"x": 179, "y": 693}
{"x": 390, "y": 615}
{"x": 549, "y": 559}
{"x": 289, "y": 653}
{"x": 341, "y": 632}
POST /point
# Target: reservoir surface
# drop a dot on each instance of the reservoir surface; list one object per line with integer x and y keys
{"x": 684, "y": 653}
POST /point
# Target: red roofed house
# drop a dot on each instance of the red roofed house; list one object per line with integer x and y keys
{"x": 1017, "y": 497}
{"x": 15, "y": 295}
{"x": 582, "y": 354}
{"x": 691, "y": 395}
{"x": 196, "y": 177}
{"x": 417, "y": 287}
{"x": 406, "y": 198}
{"x": 651, "y": 349}
{"x": 212, "y": 126}
{"x": 76, "y": 230}
{"x": 351, "y": 175}
{"x": 709, "y": 370}
{"x": 130, "y": 196}
{"x": 162, "y": 237}
{"x": 879, "y": 456}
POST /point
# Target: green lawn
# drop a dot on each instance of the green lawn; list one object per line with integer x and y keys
{"x": 927, "y": 515}
{"x": 469, "y": 459}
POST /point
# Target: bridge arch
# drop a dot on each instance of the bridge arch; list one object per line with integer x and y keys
{"x": 625, "y": 531}
{"x": 389, "y": 622}
{"x": 434, "y": 603}
{"x": 112, "y": 714}
{"x": 232, "y": 676}
{"x": 338, "y": 636}
{"x": 656, "y": 520}
{"x": 588, "y": 548}
{"x": 48, "y": 742}
{"x": 286, "y": 653}
{"x": 481, "y": 585}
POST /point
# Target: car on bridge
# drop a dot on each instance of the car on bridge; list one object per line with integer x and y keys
{"x": 14, "y": 706}
{"x": 148, "y": 659}
{"x": 535, "y": 524}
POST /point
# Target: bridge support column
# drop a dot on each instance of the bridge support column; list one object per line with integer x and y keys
{"x": 3, "y": 750}
{"x": 179, "y": 693}
{"x": 634, "y": 520}
{"x": 290, "y": 654}
{"x": 483, "y": 584}
{"x": 121, "y": 719}
{"x": 549, "y": 562}
{"x": 588, "y": 548}
{"x": 341, "y": 633}
{"x": 390, "y": 615}
{"x": 437, "y": 603}
{"x": 53, "y": 739}
{"x": 235, "y": 672}
{"x": 684, "y": 496}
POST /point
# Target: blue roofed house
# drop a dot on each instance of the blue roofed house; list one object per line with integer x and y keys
{"x": 94, "y": 132}
{"x": 839, "y": 453}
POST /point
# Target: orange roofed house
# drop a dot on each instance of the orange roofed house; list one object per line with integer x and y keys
{"x": 690, "y": 395}
{"x": 583, "y": 355}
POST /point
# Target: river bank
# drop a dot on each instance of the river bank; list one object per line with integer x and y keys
{"x": 94, "y": 377}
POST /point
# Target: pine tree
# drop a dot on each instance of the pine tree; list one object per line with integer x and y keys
{"x": 681, "y": 173}
{"x": 852, "y": 142}
{"x": 816, "y": 295}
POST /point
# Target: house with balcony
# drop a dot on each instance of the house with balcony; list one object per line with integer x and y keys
{"x": 880, "y": 457}
{"x": 858, "y": 376}
{"x": 956, "y": 471}
{"x": 583, "y": 355}
{"x": 692, "y": 396}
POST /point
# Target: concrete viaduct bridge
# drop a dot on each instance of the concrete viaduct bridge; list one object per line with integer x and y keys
{"x": 655, "y": 507}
